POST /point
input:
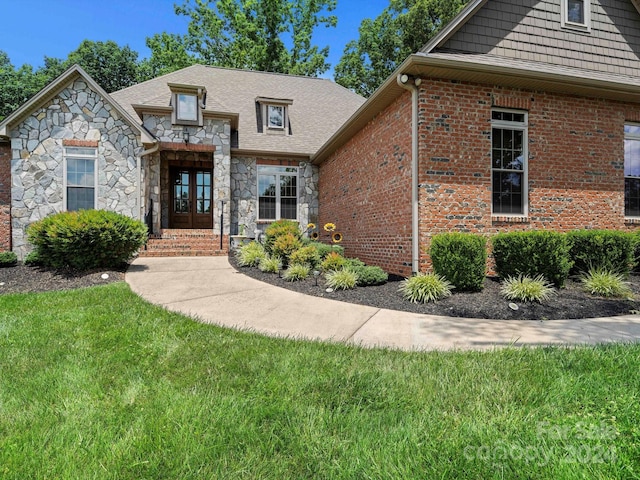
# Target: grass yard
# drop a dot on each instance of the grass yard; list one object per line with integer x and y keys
{"x": 97, "y": 383}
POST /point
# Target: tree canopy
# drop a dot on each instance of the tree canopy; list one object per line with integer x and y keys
{"x": 403, "y": 28}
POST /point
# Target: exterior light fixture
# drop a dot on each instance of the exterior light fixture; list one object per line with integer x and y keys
{"x": 185, "y": 136}
{"x": 316, "y": 274}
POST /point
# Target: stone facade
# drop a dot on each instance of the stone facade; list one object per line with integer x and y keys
{"x": 244, "y": 192}
{"x": 5, "y": 196}
{"x": 79, "y": 116}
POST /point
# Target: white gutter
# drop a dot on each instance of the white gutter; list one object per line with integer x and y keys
{"x": 144, "y": 153}
{"x": 403, "y": 80}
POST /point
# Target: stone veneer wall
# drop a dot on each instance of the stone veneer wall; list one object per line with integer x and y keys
{"x": 214, "y": 131}
{"x": 244, "y": 192}
{"x": 76, "y": 113}
{"x": 5, "y": 196}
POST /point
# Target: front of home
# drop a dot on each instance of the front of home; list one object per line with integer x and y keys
{"x": 518, "y": 115}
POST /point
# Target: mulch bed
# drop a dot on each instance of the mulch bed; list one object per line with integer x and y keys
{"x": 569, "y": 303}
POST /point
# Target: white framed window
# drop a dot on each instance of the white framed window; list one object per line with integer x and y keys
{"x": 632, "y": 170}
{"x": 80, "y": 178}
{"x": 277, "y": 192}
{"x": 186, "y": 107}
{"x": 576, "y": 14}
{"x": 509, "y": 153}
{"x": 275, "y": 116}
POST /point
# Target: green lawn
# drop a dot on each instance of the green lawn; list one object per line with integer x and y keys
{"x": 97, "y": 383}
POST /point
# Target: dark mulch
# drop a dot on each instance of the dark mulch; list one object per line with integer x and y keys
{"x": 27, "y": 279}
{"x": 570, "y": 302}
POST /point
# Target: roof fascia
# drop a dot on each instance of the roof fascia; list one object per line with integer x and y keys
{"x": 268, "y": 154}
{"x": 636, "y": 3}
{"x": 454, "y": 25}
{"x": 55, "y": 87}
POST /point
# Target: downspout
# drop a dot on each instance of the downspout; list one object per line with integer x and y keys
{"x": 411, "y": 83}
{"x": 144, "y": 153}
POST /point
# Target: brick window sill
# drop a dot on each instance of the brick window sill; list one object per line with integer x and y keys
{"x": 632, "y": 220}
{"x": 509, "y": 219}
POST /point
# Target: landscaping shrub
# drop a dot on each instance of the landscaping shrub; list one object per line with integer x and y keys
{"x": 461, "y": 258}
{"x": 270, "y": 264}
{"x": 425, "y": 287}
{"x": 280, "y": 228}
{"x": 605, "y": 283}
{"x": 533, "y": 253}
{"x": 296, "y": 272}
{"x": 526, "y": 289}
{"x": 324, "y": 249}
{"x": 602, "y": 250}
{"x": 32, "y": 259}
{"x": 370, "y": 275}
{"x": 284, "y": 246}
{"x": 344, "y": 279}
{"x": 8, "y": 259}
{"x": 86, "y": 239}
{"x": 333, "y": 261}
{"x": 250, "y": 254}
{"x": 305, "y": 255}
{"x": 353, "y": 263}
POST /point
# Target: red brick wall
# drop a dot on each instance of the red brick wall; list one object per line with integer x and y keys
{"x": 576, "y": 169}
{"x": 5, "y": 196}
{"x": 365, "y": 189}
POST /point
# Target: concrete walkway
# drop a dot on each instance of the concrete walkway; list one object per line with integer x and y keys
{"x": 212, "y": 291}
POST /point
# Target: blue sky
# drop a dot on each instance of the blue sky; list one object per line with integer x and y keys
{"x": 32, "y": 29}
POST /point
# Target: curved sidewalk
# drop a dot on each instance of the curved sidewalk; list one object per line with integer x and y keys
{"x": 212, "y": 291}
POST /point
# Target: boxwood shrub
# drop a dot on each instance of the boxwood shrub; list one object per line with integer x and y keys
{"x": 603, "y": 250}
{"x": 86, "y": 239}
{"x": 8, "y": 259}
{"x": 461, "y": 258}
{"x": 533, "y": 253}
{"x": 369, "y": 275}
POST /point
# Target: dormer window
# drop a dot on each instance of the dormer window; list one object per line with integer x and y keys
{"x": 188, "y": 101}
{"x": 272, "y": 115}
{"x": 576, "y": 14}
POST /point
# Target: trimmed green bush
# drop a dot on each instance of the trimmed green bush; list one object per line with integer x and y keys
{"x": 86, "y": 239}
{"x": 250, "y": 254}
{"x": 305, "y": 255}
{"x": 333, "y": 261}
{"x": 526, "y": 289}
{"x": 533, "y": 253}
{"x": 344, "y": 279}
{"x": 461, "y": 258}
{"x": 324, "y": 249}
{"x": 370, "y": 275}
{"x": 278, "y": 229}
{"x": 32, "y": 259}
{"x": 605, "y": 283}
{"x": 425, "y": 287}
{"x": 602, "y": 250}
{"x": 353, "y": 263}
{"x": 296, "y": 272}
{"x": 8, "y": 259}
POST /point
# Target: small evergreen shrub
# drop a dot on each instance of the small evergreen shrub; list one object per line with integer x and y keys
{"x": 461, "y": 258}
{"x": 8, "y": 259}
{"x": 526, "y": 289}
{"x": 533, "y": 253}
{"x": 86, "y": 239}
{"x": 353, "y": 263}
{"x": 333, "y": 261}
{"x": 324, "y": 249}
{"x": 602, "y": 250}
{"x": 296, "y": 272}
{"x": 284, "y": 246}
{"x": 250, "y": 254}
{"x": 605, "y": 283}
{"x": 344, "y": 279}
{"x": 32, "y": 259}
{"x": 278, "y": 229}
{"x": 370, "y": 275}
{"x": 425, "y": 287}
{"x": 305, "y": 255}
{"x": 270, "y": 264}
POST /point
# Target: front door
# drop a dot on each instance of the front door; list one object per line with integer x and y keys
{"x": 191, "y": 205}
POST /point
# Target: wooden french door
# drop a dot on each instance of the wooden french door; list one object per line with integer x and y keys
{"x": 191, "y": 198}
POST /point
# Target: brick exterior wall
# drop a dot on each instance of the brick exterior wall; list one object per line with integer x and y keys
{"x": 365, "y": 189}
{"x": 5, "y": 196}
{"x": 575, "y": 170}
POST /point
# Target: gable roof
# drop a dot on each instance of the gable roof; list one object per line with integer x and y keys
{"x": 55, "y": 87}
{"x": 317, "y": 107}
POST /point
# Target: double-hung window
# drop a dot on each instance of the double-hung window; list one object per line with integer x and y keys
{"x": 509, "y": 162}
{"x": 632, "y": 170}
{"x": 277, "y": 192}
{"x": 80, "y": 178}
